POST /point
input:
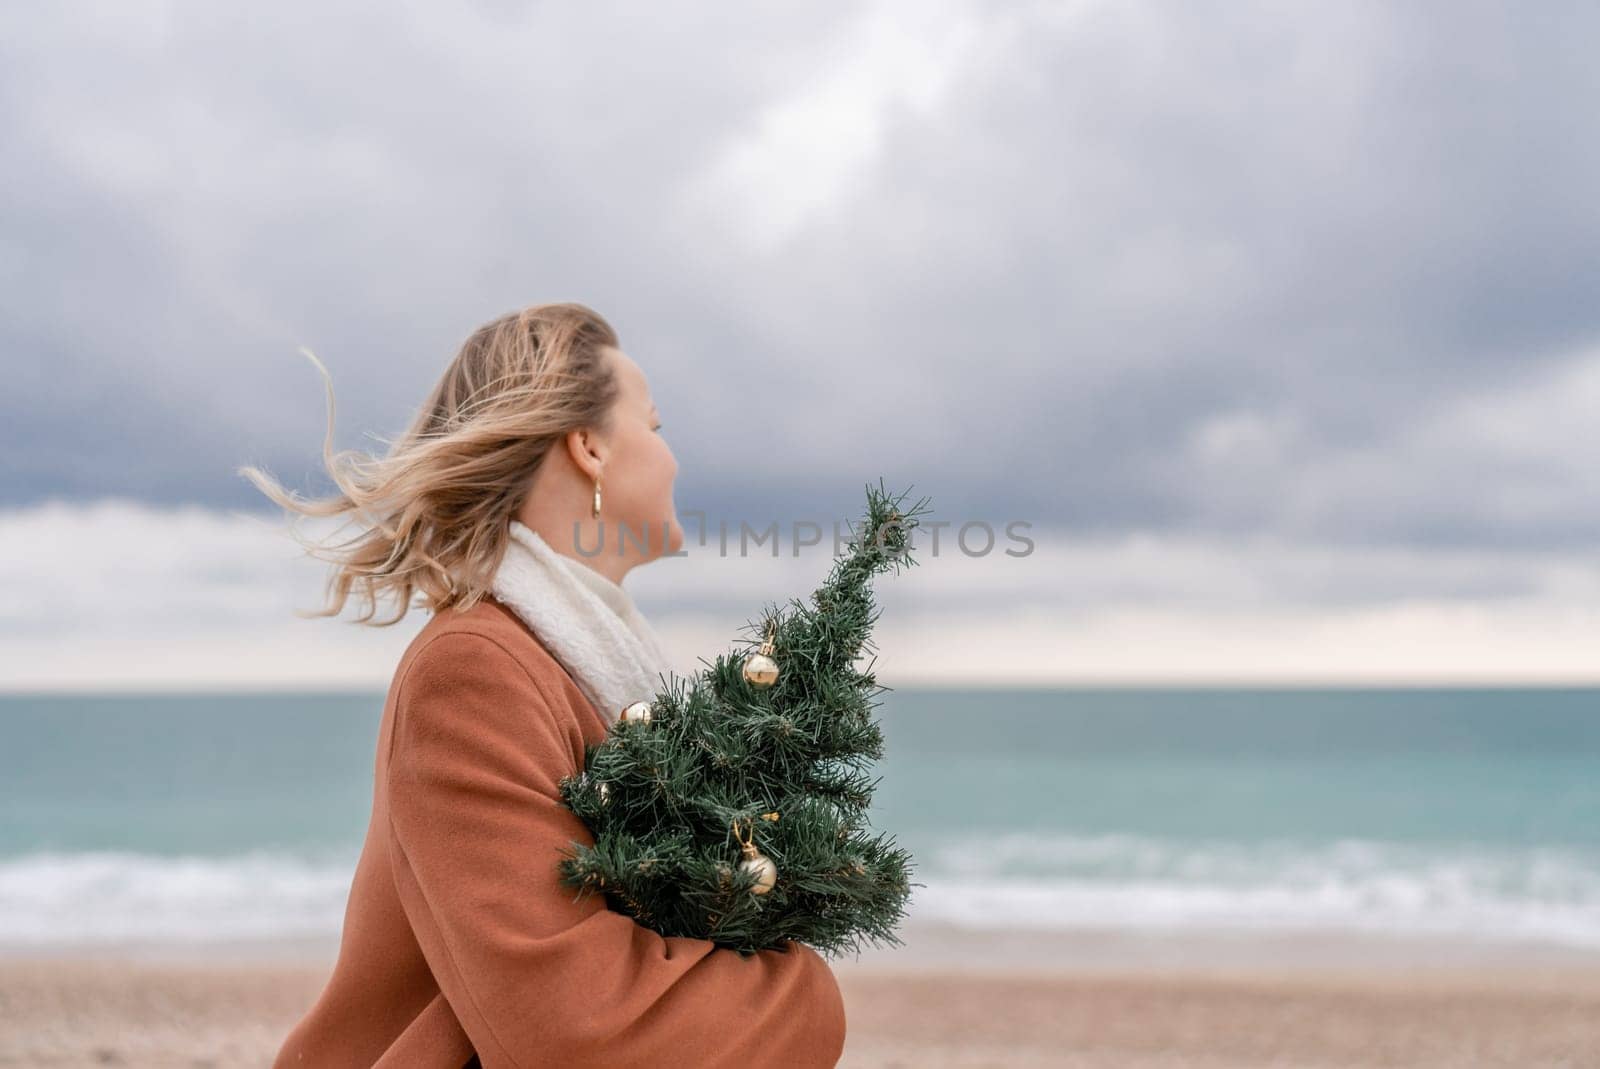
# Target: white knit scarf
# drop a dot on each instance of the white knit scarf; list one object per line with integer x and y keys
{"x": 587, "y": 622}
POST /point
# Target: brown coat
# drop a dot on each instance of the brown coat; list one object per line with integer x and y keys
{"x": 459, "y": 937}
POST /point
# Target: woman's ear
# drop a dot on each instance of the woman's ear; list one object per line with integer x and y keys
{"x": 586, "y": 450}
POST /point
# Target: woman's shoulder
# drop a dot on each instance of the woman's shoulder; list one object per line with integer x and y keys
{"x": 475, "y": 683}
{"x": 489, "y": 636}
{"x": 486, "y": 649}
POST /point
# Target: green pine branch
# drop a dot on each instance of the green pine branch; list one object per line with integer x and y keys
{"x": 787, "y": 768}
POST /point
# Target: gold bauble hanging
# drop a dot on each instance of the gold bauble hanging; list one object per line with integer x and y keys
{"x": 761, "y": 867}
{"x": 760, "y": 670}
{"x": 637, "y": 713}
{"x": 758, "y": 865}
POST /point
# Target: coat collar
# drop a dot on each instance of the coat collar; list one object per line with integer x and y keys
{"x": 587, "y": 622}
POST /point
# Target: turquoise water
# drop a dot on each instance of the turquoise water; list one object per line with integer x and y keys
{"x": 1466, "y": 812}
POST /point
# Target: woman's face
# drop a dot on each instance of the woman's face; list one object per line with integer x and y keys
{"x": 638, "y": 471}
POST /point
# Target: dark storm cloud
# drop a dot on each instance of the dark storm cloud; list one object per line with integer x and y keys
{"x": 1221, "y": 269}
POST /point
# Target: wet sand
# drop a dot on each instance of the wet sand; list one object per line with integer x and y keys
{"x": 75, "y": 1011}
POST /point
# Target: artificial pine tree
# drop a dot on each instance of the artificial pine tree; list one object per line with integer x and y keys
{"x": 733, "y": 806}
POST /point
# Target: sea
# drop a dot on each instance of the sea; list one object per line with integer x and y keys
{"x": 1461, "y": 816}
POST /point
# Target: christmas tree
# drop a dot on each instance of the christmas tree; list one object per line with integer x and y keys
{"x": 733, "y": 806}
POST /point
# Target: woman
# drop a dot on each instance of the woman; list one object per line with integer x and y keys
{"x": 460, "y": 946}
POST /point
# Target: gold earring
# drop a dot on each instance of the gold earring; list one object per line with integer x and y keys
{"x": 597, "y": 497}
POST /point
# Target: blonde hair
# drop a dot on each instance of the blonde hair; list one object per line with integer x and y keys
{"x": 439, "y": 503}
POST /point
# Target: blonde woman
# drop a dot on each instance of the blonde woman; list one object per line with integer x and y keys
{"x": 460, "y": 947}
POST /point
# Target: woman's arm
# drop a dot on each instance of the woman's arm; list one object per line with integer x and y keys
{"x": 536, "y": 978}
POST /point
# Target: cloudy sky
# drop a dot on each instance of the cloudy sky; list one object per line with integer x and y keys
{"x": 1277, "y": 323}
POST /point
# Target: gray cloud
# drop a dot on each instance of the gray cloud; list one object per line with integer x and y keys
{"x": 1324, "y": 272}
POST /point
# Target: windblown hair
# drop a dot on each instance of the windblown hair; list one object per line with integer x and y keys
{"x": 437, "y": 507}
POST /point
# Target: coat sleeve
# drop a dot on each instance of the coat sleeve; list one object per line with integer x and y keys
{"x": 536, "y": 977}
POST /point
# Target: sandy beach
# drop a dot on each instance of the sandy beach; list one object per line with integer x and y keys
{"x": 76, "y": 1011}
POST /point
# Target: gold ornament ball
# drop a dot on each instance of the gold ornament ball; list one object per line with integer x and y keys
{"x": 604, "y": 791}
{"x": 637, "y": 713}
{"x": 761, "y": 867}
{"x": 760, "y": 670}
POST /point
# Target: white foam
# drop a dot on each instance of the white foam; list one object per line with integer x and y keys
{"x": 981, "y": 883}
{"x": 114, "y": 897}
{"x": 1126, "y": 882}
